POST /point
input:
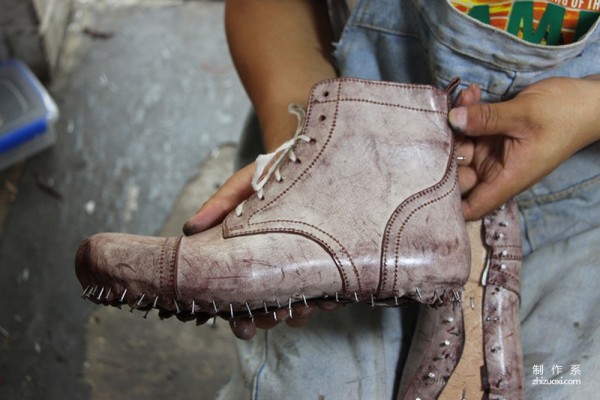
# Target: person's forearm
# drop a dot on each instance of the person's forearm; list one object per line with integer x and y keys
{"x": 595, "y": 133}
{"x": 280, "y": 49}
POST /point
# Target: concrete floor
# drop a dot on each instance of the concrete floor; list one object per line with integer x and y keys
{"x": 150, "y": 118}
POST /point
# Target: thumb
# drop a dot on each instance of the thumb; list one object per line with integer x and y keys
{"x": 484, "y": 119}
{"x": 236, "y": 189}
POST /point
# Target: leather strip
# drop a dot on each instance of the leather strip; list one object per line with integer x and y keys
{"x": 437, "y": 346}
{"x": 503, "y": 236}
{"x": 168, "y": 265}
{"x": 504, "y": 378}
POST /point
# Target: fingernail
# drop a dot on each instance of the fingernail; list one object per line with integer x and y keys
{"x": 193, "y": 225}
{"x": 188, "y": 228}
{"x": 303, "y": 312}
{"x": 242, "y": 329}
{"x": 458, "y": 118}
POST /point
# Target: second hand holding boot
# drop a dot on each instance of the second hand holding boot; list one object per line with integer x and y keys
{"x": 363, "y": 204}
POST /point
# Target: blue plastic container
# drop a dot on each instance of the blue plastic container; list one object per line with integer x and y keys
{"x": 27, "y": 114}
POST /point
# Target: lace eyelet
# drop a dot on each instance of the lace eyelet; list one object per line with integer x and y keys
{"x": 269, "y": 164}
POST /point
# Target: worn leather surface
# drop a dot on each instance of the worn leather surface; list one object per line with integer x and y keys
{"x": 435, "y": 351}
{"x": 439, "y": 336}
{"x": 371, "y": 211}
{"x": 501, "y": 322}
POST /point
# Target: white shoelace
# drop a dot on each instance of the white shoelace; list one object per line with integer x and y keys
{"x": 274, "y": 160}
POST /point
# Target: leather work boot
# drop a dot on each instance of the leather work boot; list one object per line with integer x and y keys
{"x": 472, "y": 349}
{"x": 362, "y": 205}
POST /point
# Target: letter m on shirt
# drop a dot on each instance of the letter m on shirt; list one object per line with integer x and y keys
{"x": 548, "y": 31}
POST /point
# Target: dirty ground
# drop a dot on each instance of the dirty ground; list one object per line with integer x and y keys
{"x": 151, "y": 110}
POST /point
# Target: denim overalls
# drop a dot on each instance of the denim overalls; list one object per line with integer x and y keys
{"x": 353, "y": 353}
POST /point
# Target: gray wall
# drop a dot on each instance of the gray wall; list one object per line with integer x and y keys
{"x": 33, "y": 31}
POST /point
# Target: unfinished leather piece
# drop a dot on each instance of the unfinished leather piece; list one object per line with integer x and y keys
{"x": 368, "y": 209}
{"x": 436, "y": 349}
{"x": 502, "y": 338}
{"x": 446, "y": 342}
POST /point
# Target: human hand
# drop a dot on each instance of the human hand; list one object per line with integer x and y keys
{"x": 244, "y": 327}
{"x": 511, "y": 145}
{"x": 235, "y": 190}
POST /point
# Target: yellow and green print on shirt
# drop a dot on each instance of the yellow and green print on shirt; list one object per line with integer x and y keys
{"x": 549, "y": 22}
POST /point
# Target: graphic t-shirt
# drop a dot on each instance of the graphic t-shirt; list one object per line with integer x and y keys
{"x": 549, "y": 22}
